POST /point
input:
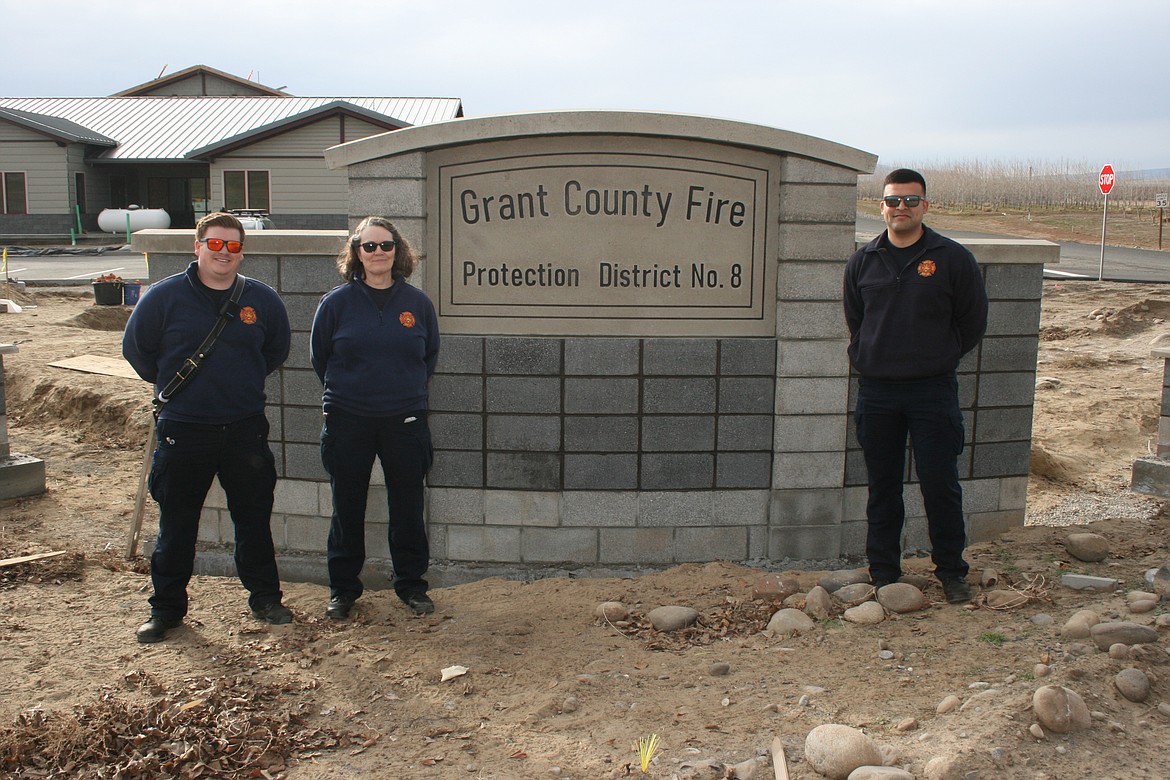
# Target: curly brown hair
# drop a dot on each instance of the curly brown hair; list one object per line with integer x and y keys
{"x": 349, "y": 263}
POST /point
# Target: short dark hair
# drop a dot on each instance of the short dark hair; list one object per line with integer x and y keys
{"x": 350, "y": 265}
{"x": 905, "y": 176}
{"x": 218, "y": 219}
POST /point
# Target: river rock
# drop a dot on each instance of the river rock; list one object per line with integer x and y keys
{"x": 1142, "y": 607}
{"x": 789, "y": 621}
{"x": 835, "y": 750}
{"x": 1091, "y": 548}
{"x": 943, "y": 768}
{"x": 836, "y": 580}
{"x": 1151, "y": 655}
{"x": 900, "y": 597}
{"x": 1080, "y": 625}
{"x": 852, "y": 595}
{"x": 719, "y": 669}
{"x": 879, "y": 773}
{"x": 1133, "y": 684}
{"x": 1060, "y": 709}
{"x": 1140, "y": 595}
{"x": 819, "y": 603}
{"x": 672, "y": 618}
{"x": 1158, "y": 580}
{"x": 612, "y": 611}
{"x": 1119, "y": 652}
{"x": 775, "y": 587}
{"x": 1004, "y": 599}
{"x": 1106, "y": 634}
{"x": 868, "y": 614}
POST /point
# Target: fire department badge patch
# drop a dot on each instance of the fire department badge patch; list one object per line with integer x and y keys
{"x": 926, "y": 268}
{"x": 248, "y": 315}
{"x": 407, "y": 319}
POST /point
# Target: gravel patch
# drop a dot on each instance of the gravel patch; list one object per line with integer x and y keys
{"x": 1085, "y": 508}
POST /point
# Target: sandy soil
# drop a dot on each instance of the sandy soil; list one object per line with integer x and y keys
{"x": 550, "y": 690}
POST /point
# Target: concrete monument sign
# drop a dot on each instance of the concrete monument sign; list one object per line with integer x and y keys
{"x": 550, "y": 237}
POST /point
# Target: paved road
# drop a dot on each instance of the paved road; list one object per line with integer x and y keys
{"x": 1077, "y": 261}
{"x": 76, "y": 269}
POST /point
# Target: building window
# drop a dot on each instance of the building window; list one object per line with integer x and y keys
{"x": 246, "y": 190}
{"x": 13, "y": 198}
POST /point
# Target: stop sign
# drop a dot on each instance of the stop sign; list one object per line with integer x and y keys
{"x": 1106, "y": 180}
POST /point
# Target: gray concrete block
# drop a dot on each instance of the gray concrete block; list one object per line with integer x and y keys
{"x": 396, "y": 198}
{"x": 526, "y": 356}
{"x": 1086, "y": 582}
{"x": 532, "y": 395}
{"x": 460, "y": 355}
{"x": 264, "y": 268}
{"x": 808, "y": 469}
{"x": 811, "y": 281}
{"x": 674, "y": 508}
{"x": 309, "y": 274}
{"x": 302, "y": 424}
{"x": 601, "y": 472}
{"x": 807, "y": 507}
{"x": 300, "y": 533}
{"x": 601, "y": 434}
{"x": 298, "y": 355}
{"x": 816, "y": 241}
{"x": 819, "y": 203}
{"x": 1013, "y": 318}
{"x": 274, "y": 395}
{"x": 295, "y": 497}
{"x": 855, "y": 470}
{"x": 989, "y": 526}
{"x": 405, "y": 166}
{"x": 1008, "y": 353}
{"x": 679, "y": 357}
{"x": 814, "y": 358}
{"x": 450, "y": 393}
{"x": 692, "y": 433}
{"x": 812, "y": 396}
{"x": 599, "y": 509}
{"x": 1007, "y": 389}
{"x": 689, "y": 395}
{"x": 745, "y": 432}
{"x": 301, "y": 308}
{"x": 1003, "y": 424}
{"x": 811, "y": 432}
{"x": 602, "y": 356}
{"x": 210, "y": 530}
{"x": 1001, "y": 459}
{"x": 460, "y": 506}
{"x": 980, "y": 495}
{"x": 300, "y": 388}
{"x": 559, "y": 545}
{"x": 676, "y": 471}
{"x": 483, "y": 543}
{"x": 530, "y": 432}
{"x": 853, "y": 538}
{"x": 805, "y": 170}
{"x": 636, "y": 545}
{"x": 810, "y": 320}
{"x": 740, "y": 507}
{"x": 757, "y": 543}
{"x": 816, "y": 542}
{"x": 455, "y": 469}
{"x": 524, "y": 470}
{"x": 303, "y": 461}
{"x": 711, "y": 544}
{"x": 606, "y": 395}
{"x": 377, "y": 504}
{"x": 969, "y": 363}
{"x": 743, "y": 470}
{"x": 377, "y": 547}
{"x": 522, "y": 507}
{"x": 454, "y": 431}
{"x": 1006, "y": 281}
{"x": 1013, "y": 492}
{"x": 747, "y": 357}
{"x": 747, "y": 395}
{"x": 854, "y": 500}
{"x": 1151, "y": 476}
{"x": 217, "y": 499}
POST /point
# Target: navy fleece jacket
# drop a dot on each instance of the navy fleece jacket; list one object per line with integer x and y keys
{"x": 916, "y": 321}
{"x": 169, "y": 323}
{"x": 374, "y": 362}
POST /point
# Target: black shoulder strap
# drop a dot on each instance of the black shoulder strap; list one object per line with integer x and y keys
{"x": 227, "y": 311}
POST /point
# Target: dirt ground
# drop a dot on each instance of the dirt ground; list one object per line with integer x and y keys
{"x": 551, "y": 691}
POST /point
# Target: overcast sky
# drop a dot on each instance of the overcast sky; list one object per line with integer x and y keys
{"x": 1080, "y": 82}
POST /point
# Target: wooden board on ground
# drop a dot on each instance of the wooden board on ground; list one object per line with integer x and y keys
{"x": 28, "y": 558}
{"x": 779, "y": 761}
{"x": 95, "y": 364}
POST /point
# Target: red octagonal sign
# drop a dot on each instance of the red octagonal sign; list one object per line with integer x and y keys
{"x": 1106, "y": 180}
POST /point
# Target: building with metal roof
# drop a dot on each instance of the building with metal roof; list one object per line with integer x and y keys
{"x": 192, "y": 142}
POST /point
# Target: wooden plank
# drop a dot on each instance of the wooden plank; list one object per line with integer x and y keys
{"x": 26, "y": 558}
{"x": 779, "y": 762}
{"x": 95, "y": 364}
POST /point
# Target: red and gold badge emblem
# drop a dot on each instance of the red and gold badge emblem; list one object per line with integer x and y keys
{"x": 407, "y": 319}
{"x": 248, "y": 315}
{"x": 927, "y": 268}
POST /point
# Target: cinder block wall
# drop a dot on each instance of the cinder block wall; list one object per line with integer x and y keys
{"x": 610, "y": 451}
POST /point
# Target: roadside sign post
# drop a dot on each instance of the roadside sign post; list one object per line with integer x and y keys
{"x": 1161, "y": 201}
{"x": 1106, "y": 181}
